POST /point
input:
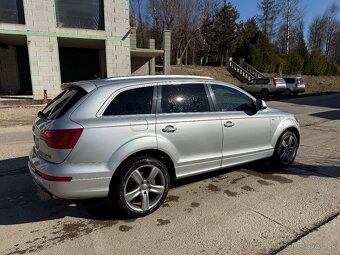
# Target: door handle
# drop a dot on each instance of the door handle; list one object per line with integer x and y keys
{"x": 169, "y": 129}
{"x": 229, "y": 124}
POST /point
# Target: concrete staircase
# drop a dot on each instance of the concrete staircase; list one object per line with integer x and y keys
{"x": 244, "y": 72}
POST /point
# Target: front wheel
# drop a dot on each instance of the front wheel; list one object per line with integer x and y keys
{"x": 286, "y": 149}
{"x": 142, "y": 187}
{"x": 264, "y": 93}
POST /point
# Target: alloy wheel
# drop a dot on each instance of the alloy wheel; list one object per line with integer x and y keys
{"x": 144, "y": 188}
{"x": 287, "y": 148}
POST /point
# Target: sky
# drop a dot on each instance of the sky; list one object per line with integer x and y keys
{"x": 310, "y": 9}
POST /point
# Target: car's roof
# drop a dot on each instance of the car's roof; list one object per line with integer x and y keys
{"x": 149, "y": 78}
{"x": 131, "y": 80}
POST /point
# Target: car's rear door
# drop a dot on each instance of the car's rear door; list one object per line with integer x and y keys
{"x": 187, "y": 129}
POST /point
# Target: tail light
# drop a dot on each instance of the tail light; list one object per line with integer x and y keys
{"x": 274, "y": 81}
{"x": 61, "y": 139}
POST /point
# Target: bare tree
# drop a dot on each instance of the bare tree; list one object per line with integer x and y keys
{"x": 291, "y": 15}
{"x": 268, "y": 17}
{"x": 331, "y": 26}
{"x": 317, "y": 33}
{"x": 323, "y": 33}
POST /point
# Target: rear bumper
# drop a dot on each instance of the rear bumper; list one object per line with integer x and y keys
{"x": 87, "y": 181}
{"x": 298, "y": 90}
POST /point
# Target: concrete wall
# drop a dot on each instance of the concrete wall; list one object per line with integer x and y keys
{"x": 116, "y": 14}
{"x": 167, "y": 51}
{"x": 44, "y": 63}
{"x": 140, "y": 66}
{"x": 9, "y": 74}
{"x": 42, "y": 50}
{"x": 42, "y": 33}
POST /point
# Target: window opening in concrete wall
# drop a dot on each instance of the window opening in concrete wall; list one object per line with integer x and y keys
{"x": 12, "y": 11}
{"x": 24, "y": 70}
{"x": 86, "y": 14}
{"x": 79, "y": 64}
{"x": 15, "y": 74}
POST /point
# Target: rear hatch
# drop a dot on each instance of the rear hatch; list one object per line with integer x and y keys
{"x": 300, "y": 83}
{"x": 280, "y": 83}
{"x": 54, "y": 134}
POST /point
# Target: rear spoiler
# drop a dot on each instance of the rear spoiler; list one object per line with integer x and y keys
{"x": 88, "y": 86}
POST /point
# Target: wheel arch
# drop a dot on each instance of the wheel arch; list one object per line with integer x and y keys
{"x": 287, "y": 124}
{"x": 281, "y": 132}
{"x": 158, "y": 154}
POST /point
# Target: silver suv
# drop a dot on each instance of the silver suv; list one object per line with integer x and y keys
{"x": 127, "y": 138}
{"x": 295, "y": 85}
{"x": 265, "y": 86}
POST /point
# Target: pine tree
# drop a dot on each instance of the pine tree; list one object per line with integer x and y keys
{"x": 220, "y": 31}
{"x": 267, "y": 19}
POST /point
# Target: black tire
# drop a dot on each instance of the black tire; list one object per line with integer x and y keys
{"x": 286, "y": 149}
{"x": 288, "y": 92}
{"x": 264, "y": 92}
{"x": 143, "y": 190}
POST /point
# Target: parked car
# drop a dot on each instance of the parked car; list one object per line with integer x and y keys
{"x": 265, "y": 86}
{"x": 295, "y": 85}
{"x": 127, "y": 138}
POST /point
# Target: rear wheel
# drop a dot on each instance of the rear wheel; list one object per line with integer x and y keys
{"x": 264, "y": 92}
{"x": 142, "y": 187}
{"x": 286, "y": 149}
{"x": 288, "y": 92}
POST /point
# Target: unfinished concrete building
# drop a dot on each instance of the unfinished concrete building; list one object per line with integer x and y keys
{"x": 44, "y": 43}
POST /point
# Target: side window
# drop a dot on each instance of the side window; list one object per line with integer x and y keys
{"x": 251, "y": 82}
{"x": 229, "y": 99}
{"x": 184, "y": 98}
{"x": 262, "y": 81}
{"x": 131, "y": 102}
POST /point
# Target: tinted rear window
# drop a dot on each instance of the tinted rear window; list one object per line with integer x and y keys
{"x": 131, "y": 102}
{"x": 289, "y": 80}
{"x": 302, "y": 81}
{"x": 280, "y": 81}
{"x": 62, "y": 103}
{"x": 184, "y": 98}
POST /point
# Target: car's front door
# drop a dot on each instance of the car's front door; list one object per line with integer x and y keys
{"x": 246, "y": 133}
{"x": 187, "y": 129}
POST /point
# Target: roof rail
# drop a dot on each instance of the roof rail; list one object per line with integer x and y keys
{"x": 157, "y": 76}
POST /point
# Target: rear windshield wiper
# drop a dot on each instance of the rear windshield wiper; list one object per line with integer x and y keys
{"x": 41, "y": 115}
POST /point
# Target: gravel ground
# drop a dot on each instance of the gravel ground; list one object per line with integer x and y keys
{"x": 17, "y": 116}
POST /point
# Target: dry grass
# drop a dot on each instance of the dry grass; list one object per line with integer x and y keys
{"x": 314, "y": 84}
{"x": 219, "y": 73}
{"x": 17, "y": 116}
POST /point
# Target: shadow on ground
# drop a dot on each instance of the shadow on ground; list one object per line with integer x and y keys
{"x": 23, "y": 204}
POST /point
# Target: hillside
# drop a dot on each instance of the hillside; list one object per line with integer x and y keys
{"x": 314, "y": 84}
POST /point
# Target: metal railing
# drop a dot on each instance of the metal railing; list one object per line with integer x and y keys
{"x": 252, "y": 70}
{"x": 239, "y": 72}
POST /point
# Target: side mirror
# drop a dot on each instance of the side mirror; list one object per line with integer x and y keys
{"x": 260, "y": 105}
